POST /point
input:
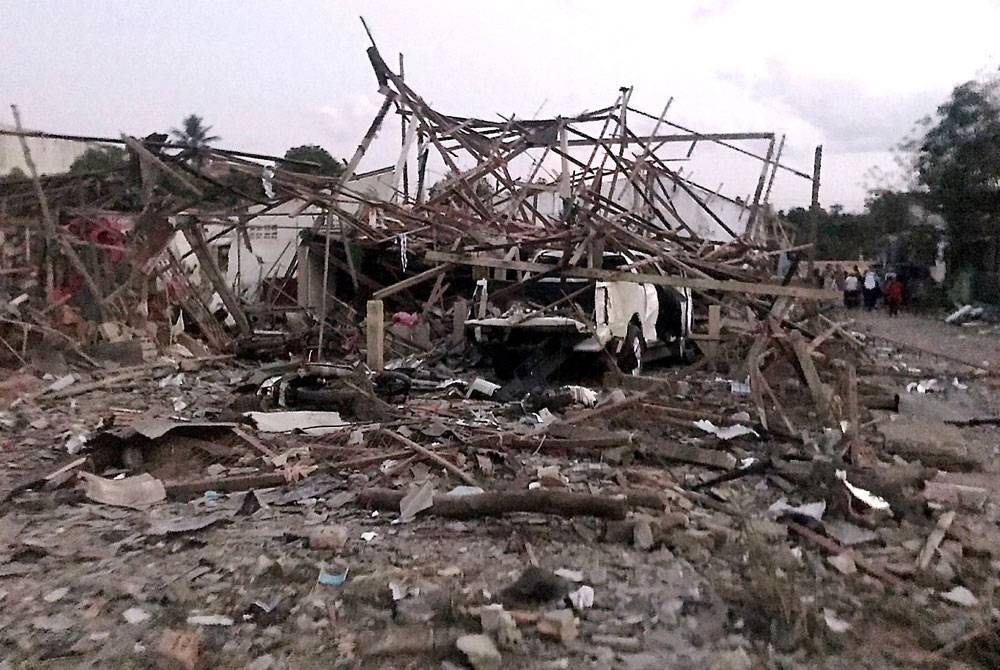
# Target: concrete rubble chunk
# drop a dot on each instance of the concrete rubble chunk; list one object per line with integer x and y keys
{"x": 844, "y": 563}
{"x": 933, "y": 443}
{"x": 135, "y": 615}
{"x": 561, "y": 625}
{"x": 642, "y": 534}
{"x": 960, "y": 596}
{"x": 481, "y": 652}
{"x": 737, "y": 659}
{"x": 328, "y": 537}
{"x": 178, "y": 649}
{"x": 137, "y": 492}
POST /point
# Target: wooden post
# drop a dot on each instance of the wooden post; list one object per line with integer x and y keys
{"x": 714, "y": 329}
{"x": 375, "y": 334}
{"x": 405, "y": 144}
{"x": 814, "y": 208}
{"x": 459, "y": 312}
{"x": 777, "y": 161}
{"x": 860, "y": 452}
{"x": 52, "y": 233}
{"x": 749, "y": 231}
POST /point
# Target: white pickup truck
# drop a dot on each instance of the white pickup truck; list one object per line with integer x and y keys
{"x": 635, "y": 322}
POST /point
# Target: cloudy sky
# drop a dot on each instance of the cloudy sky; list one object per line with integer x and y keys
{"x": 850, "y": 75}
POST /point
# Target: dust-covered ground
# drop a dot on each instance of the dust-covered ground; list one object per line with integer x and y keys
{"x": 302, "y": 576}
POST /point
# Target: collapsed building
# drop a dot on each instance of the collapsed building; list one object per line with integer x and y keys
{"x": 317, "y": 351}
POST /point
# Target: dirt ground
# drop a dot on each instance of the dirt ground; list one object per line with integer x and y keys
{"x": 975, "y": 343}
{"x": 299, "y": 576}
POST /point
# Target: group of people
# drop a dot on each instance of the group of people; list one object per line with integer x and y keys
{"x": 869, "y": 287}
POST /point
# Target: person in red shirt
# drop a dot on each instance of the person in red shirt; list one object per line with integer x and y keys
{"x": 893, "y": 294}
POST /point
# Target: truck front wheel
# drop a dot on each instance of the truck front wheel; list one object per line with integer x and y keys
{"x": 633, "y": 349}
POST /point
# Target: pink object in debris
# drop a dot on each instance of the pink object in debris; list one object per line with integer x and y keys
{"x": 405, "y": 318}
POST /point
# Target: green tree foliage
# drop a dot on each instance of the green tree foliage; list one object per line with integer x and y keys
{"x": 848, "y": 235}
{"x": 327, "y": 164}
{"x": 100, "y": 160}
{"x": 16, "y": 174}
{"x": 243, "y": 187}
{"x": 957, "y": 160}
{"x": 889, "y": 211}
{"x": 195, "y": 137}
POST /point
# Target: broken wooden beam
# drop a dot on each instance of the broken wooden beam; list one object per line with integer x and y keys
{"x": 834, "y": 548}
{"x": 409, "y": 282}
{"x": 934, "y": 539}
{"x": 545, "y": 442}
{"x": 210, "y": 269}
{"x": 724, "y": 286}
{"x": 602, "y": 411}
{"x": 687, "y": 454}
{"x": 498, "y": 503}
{"x": 819, "y": 391}
{"x": 437, "y": 458}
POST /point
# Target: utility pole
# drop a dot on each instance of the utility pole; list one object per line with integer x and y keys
{"x": 814, "y": 209}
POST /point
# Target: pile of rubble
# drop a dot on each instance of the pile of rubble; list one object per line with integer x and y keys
{"x": 392, "y": 502}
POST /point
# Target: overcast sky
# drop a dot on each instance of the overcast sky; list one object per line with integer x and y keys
{"x": 851, "y": 75}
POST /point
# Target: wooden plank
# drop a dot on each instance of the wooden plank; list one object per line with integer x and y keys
{"x": 375, "y": 334}
{"x": 409, "y": 282}
{"x": 814, "y": 209}
{"x": 147, "y": 157}
{"x": 688, "y": 454}
{"x": 815, "y": 384}
{"x": 265, "y": 451}
{"x": 725, "y": 286}
{"x": 856, "y": 446}
{"x": 825, "y": 335}
{"x": 934, "y": 540}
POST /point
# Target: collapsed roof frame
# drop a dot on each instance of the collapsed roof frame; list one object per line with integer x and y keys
{"x": 494, "y": 144}
{"x": 459, "y": 205}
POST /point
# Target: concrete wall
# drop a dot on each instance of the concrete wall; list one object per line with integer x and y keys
{"x": 50, "y": 156}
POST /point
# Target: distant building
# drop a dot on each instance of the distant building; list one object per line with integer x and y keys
{"x": 257, "y": 264}
{"x": 51, "y": 156}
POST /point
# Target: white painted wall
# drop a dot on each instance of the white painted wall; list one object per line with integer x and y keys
{"x": 50, "y": 156}
{"x": 733, "y": 214}
{"x": 274, "y": 239}
{"x": 274, "y": 236}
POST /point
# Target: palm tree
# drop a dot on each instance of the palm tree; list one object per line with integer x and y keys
{"x": 194, "y": 136}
